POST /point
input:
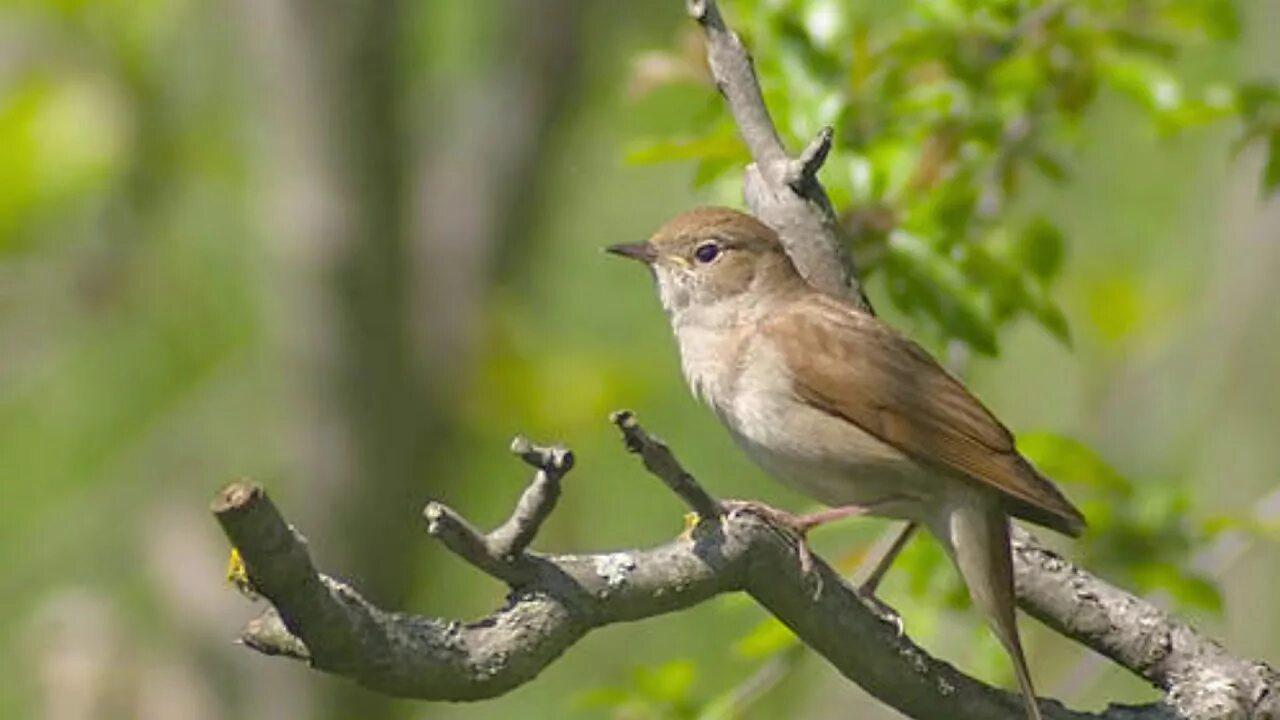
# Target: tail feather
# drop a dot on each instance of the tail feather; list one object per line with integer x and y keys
{"x": 975, "y": 531}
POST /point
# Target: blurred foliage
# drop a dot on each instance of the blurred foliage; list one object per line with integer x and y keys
{"x": 664, "y": 691}
{"x": 1146, "y": 533}
{"x": 944, "y": 110}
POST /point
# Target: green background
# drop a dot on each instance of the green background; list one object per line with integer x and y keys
{"x": 170, "y": 296}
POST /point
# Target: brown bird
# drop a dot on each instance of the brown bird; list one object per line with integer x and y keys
{"x": 834, "y": 403}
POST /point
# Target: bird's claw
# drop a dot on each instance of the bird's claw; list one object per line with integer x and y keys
{"x": 796, "y": 525}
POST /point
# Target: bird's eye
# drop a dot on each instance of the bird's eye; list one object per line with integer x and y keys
{"x": 706, "y": 252}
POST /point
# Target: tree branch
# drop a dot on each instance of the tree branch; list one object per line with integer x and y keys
{"x": 1200, "y": 678}
{"x": 782, "y": 191}
{"x": 555, "y": 600}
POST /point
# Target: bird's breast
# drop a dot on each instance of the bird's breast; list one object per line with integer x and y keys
{"x": 819, "y": 454}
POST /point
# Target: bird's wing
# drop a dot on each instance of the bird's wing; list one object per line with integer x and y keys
{"x": 854, "y": 366}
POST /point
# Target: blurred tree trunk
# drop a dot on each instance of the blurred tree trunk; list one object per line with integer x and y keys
{"x": 376, "y": 317}
{"x": 479, "y": 180}
{"x": 337, "y": 285}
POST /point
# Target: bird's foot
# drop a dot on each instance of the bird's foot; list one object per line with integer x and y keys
{"x": 798, "y": 525}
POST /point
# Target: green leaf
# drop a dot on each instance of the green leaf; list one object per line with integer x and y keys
{"x": 669, "y": 683}
{"x": 1147, "y": 43}
{"x": 1151, "y": 84}
{"x": 1212, "y": 19}
{"x": 943, "y": 289}
{"x": 1050, "y": 166}
{"x": 52, "y": 155}
{"x": 674, "y": 149}
{"x": 1040, "y": 248}
{"x": 1051, "y": 317}
{"x": 1257, "y": 97}
{"x": 767, "y": 638}
{"x": 1271, "y": 175}
{"x": 1070, "y": 461}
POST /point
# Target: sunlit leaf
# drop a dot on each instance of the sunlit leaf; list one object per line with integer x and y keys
{"x": 669, "y": 682}
{"x": 767, "y": 638}
{"x": 1154, "y": 86}
{"x": 1188, "y": 589}
{"x": 51, "y": 155}
{"x": 669, "y": 150}
{"x": 1271, "y": 175}
{"x": 1068, "y": 460}
{"x": 943, "y": 288}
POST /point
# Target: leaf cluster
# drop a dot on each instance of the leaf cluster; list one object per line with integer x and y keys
{"x": 946, "y": 112}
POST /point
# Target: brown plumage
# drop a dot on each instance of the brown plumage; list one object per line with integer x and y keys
{"x": 831, "y": 401}
{"x": 854, "y": 366}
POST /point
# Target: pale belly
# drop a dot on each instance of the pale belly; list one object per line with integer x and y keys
{"x": 820, "y": 455}
{"x": 830, "y": 459}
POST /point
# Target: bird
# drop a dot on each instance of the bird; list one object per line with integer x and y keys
{"x": 830, "y": 400}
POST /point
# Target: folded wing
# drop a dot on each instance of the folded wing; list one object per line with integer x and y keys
{"x": 856, "y": 367}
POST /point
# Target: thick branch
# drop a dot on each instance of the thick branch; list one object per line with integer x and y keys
{"x": 555, "y": 600}
{"x": 1200, "y": 678}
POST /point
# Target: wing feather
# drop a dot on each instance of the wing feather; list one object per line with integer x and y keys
{"x": 856, "y": 367}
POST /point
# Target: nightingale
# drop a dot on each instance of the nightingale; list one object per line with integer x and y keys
{"x": 831, "y": 401}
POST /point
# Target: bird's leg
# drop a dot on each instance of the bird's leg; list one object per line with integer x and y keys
{"x": 869, "y": 585}
{"x": 872, "y": 582}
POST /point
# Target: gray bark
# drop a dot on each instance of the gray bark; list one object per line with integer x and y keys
{"x": 555, "y": 600}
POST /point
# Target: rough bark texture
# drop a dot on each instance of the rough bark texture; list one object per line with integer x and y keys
{"x": 782, "y": 191}
{"x": 555, "y": 600}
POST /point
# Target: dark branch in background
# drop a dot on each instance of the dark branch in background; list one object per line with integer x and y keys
{"x": 555, "y": 600}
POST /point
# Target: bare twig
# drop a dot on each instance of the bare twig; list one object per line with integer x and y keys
{"x": 782, "y": 191}
{"x": 659, "y": 460}
{"x": 538, "y": 500}
{"x": 804, "y": 169}
{"x": 501, "y": 553}
{"x": 472, "y": 545}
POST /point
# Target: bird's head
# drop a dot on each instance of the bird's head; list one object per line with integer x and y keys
{"x": 710, "y": 255}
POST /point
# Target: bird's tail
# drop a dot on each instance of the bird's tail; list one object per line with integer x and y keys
{"x": 976, "y": 533}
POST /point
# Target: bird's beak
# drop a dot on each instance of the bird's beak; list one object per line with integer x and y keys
{"x": 641, "y": 251}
